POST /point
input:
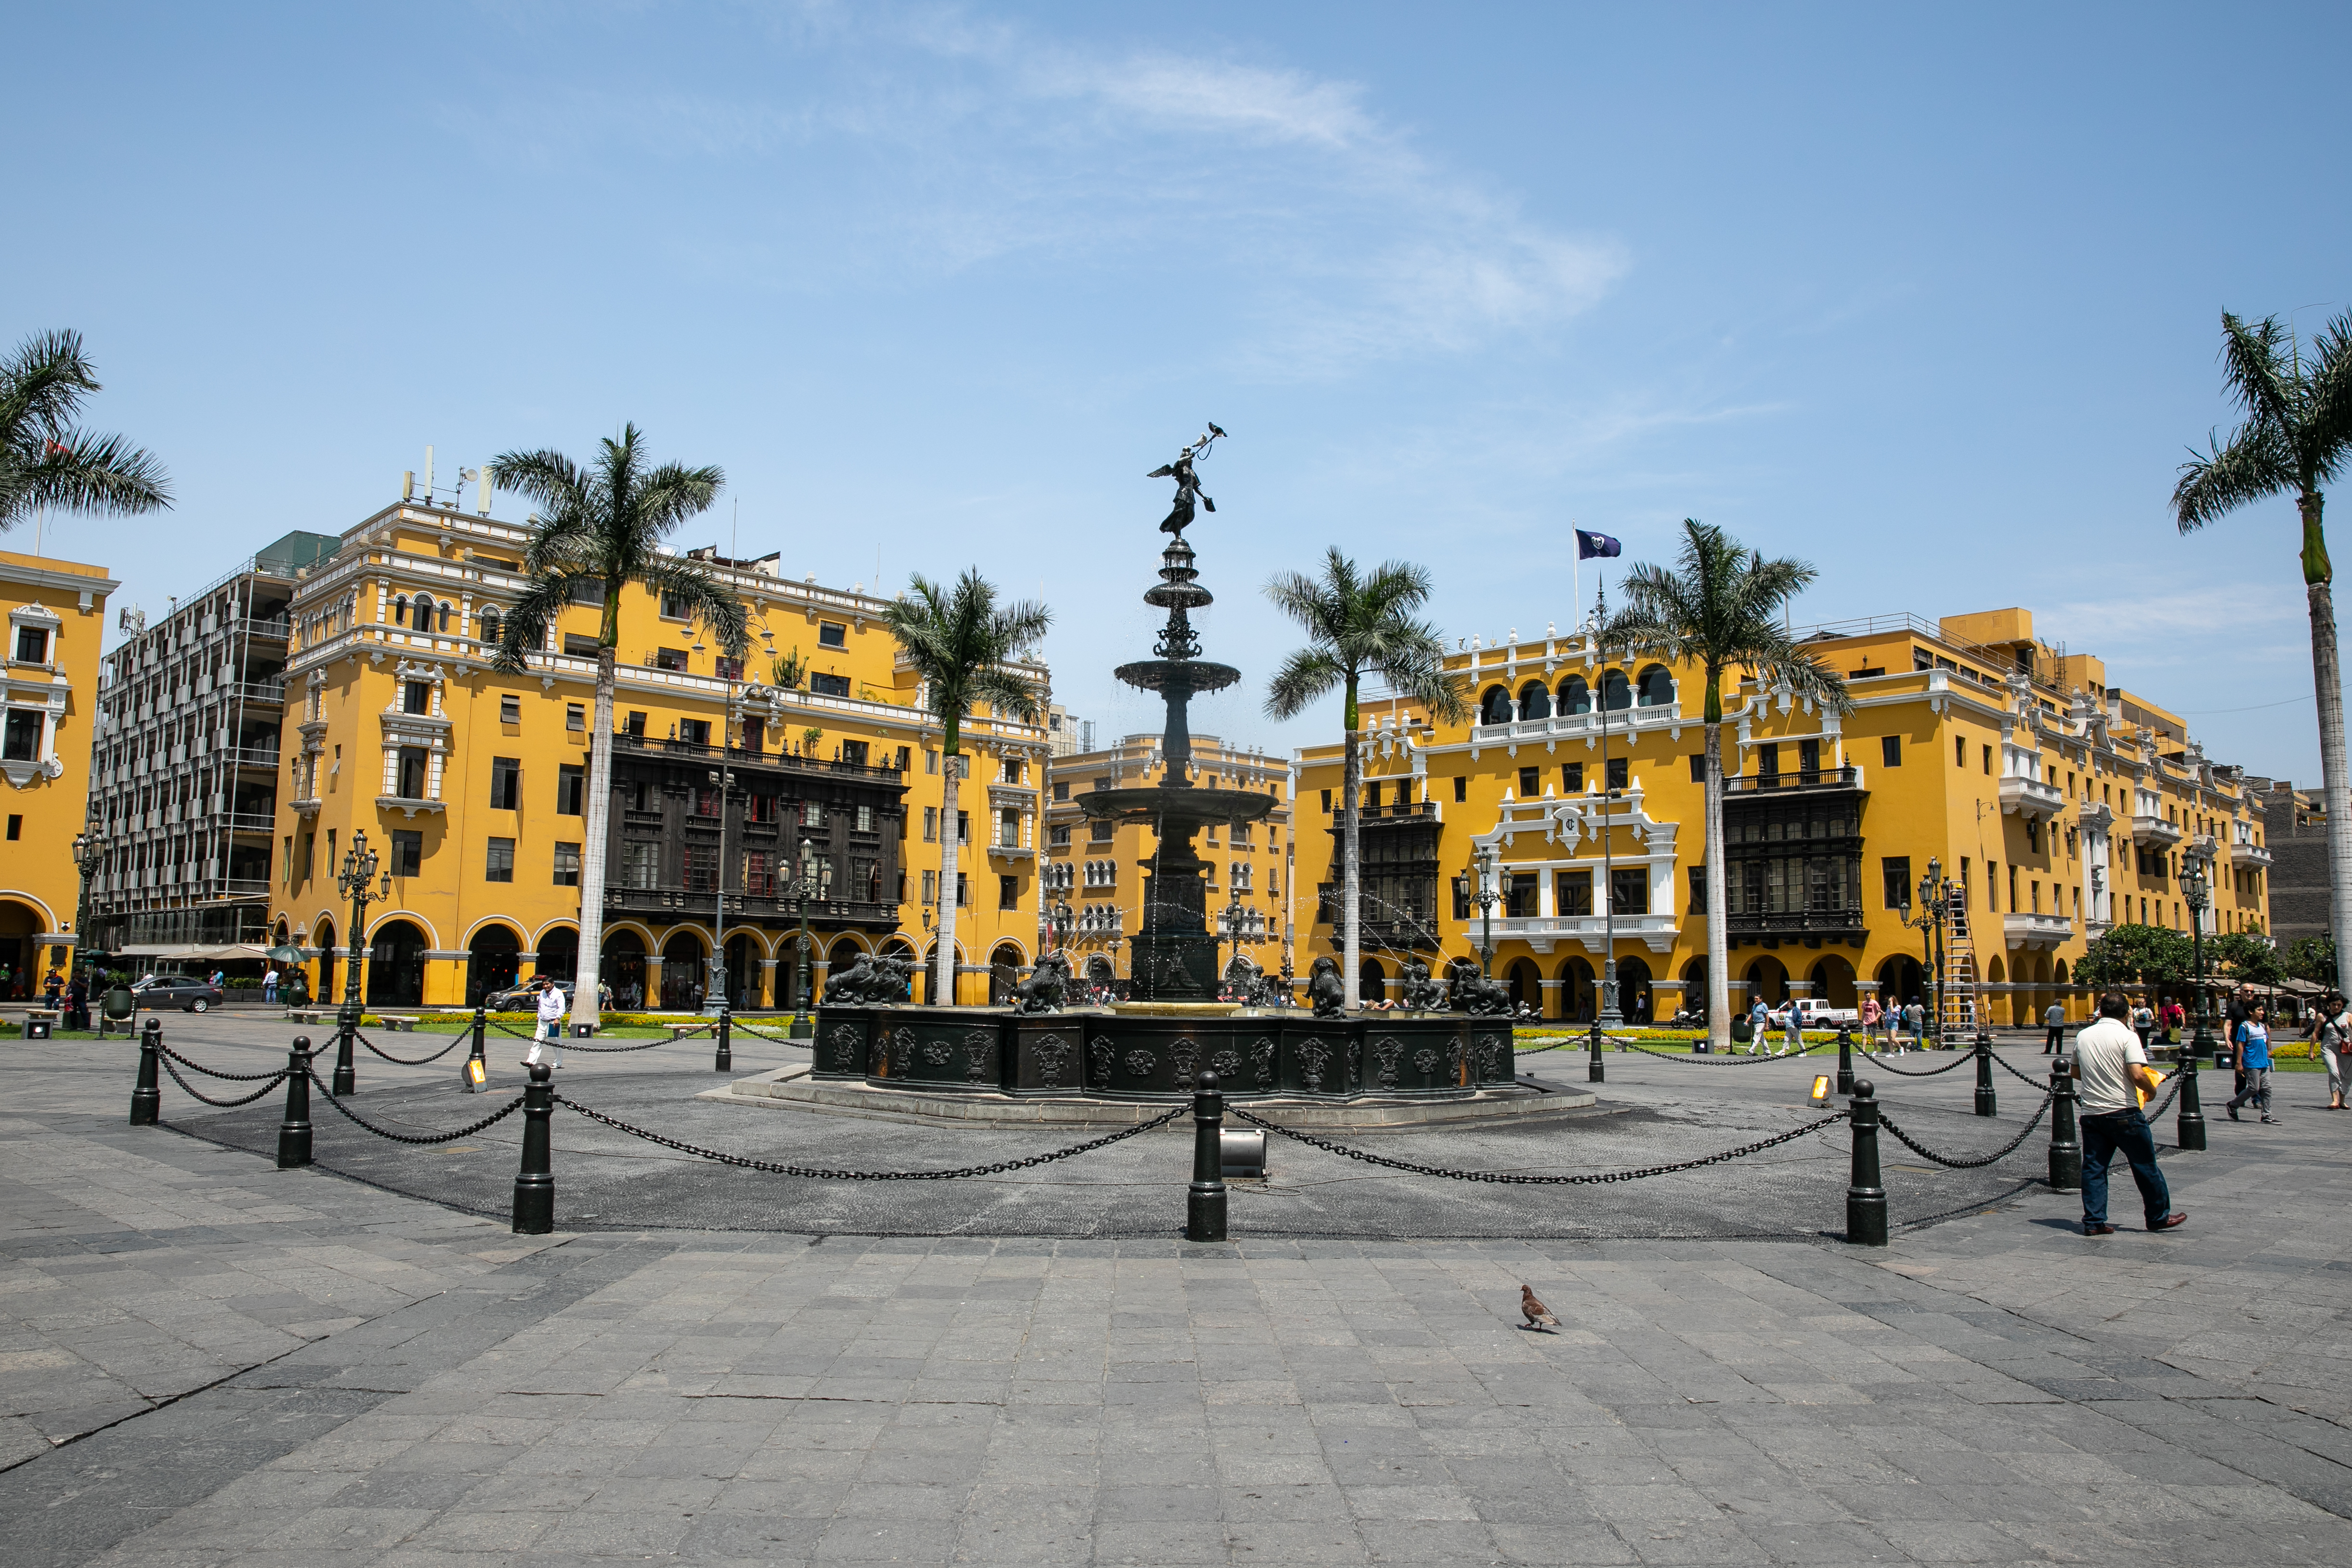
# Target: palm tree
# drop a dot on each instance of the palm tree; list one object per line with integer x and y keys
{"x": 962, "y": 645}
{"x": 2296, "y": 437}
{"x": 1719, "y": 607}
{"x": 598, "y": 530}
{"x": 1357, "y": 627}
{"x": 45, "y": 461}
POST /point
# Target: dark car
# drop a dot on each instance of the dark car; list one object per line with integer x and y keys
{"x": 157, "y": 992}
{"x": 523, "y": 999}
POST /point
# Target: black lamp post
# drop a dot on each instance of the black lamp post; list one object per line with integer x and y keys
{"x": 1935, "y": 901}
{"x": 803, "y": 1027}
{"x": 1059, "y": 921}
{"x": 1233, "y": 917}
{"x": 358, "y": 879}
{"x": 87, "y": 856}
{"x": 2197, "y": 892}
{"x": 1485, "y": 875}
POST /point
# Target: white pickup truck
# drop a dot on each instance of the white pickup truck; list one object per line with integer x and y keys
{"x": 1813, "y": 1013}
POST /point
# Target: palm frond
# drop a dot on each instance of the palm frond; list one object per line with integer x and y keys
{"x": 42, "y": 383}
{"x": 523, "y": 631}
{"x": 2219, "y": 480}
{"x": 81, "y": 472}
{"x": 1306, "y": 676}
{"x": 1722, "y": 607}
{"x": 712, "y": 601}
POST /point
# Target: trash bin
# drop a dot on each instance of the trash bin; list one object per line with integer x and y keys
{"x": 1742, "y": 1030}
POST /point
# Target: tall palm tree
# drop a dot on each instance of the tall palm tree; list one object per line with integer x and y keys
{"x": 598, "y": 531}
{"x": 2296, "y": 437}
{"x": 46, "y": 461}
{"x": 962, "y": 644}
{"x": 1357, "y": 626}
{"x": 1719, "y": 606}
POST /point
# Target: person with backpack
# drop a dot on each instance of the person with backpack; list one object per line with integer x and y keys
{"x": 2253, "y": 1039}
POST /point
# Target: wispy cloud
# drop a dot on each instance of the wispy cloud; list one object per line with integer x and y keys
{"x": 929, "y": 142}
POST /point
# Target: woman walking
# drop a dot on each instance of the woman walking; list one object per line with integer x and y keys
{"x": 2334, "y": 1032}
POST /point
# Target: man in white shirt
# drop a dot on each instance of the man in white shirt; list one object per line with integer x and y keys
{"x": 2053, "y": 1028}
{"x": 2110, "y": 1067}
{"x": 552, "y": 1009}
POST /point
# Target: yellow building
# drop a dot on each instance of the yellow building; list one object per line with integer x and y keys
{"x": 56, "y": 612}
{"x": 469, "y": 782}
{"x": 2062, "y": 807}
{"x": 1097, "y": 867}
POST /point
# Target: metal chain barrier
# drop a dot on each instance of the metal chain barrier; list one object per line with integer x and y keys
{"x": 1960, "y": 1058}
{"x": 1592, "y": 1178}
{"x": 741, "y": 1028}
{"x": 611, "y": 1050}
{"x": 414, "y": 1061}
{"x": 225, "y": 1104}
{"x": 2002, "y": 1152}
{"x": 781, "y": 1170}
{"x": 501, "y": 1114}
{"x": 208, "y": 1072}
{"x": 510, "y": 1030}
{"x": 2159, "y": 1107}
{"x": 1692, "y": 1059}
{"x": 2020, "y": 1077}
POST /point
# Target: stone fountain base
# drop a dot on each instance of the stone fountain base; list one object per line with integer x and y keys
{"x": 1157, "y": 1052}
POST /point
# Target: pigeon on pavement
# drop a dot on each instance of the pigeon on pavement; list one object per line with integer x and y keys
{"x": 1536, "y": 1313}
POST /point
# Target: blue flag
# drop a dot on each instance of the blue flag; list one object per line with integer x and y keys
{"x": 1590, "y": 544}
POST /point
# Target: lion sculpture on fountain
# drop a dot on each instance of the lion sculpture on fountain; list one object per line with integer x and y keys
{"x": 1047, "y": 988}
{"x": 870, "y": 982}
{"x": 1324, "y": 989}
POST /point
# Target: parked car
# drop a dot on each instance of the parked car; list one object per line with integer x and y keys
{"x": 157, "y": 992}
{"x": 1813, "y": 1013}
{"x": 523, "y": 999}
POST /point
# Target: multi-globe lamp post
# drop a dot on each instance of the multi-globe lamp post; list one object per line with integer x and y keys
{"x": 803, "y": 888}
{"x": 1935, "y": 901}
{"x": 87, "y": 856}
{"x": 1487, "y": 878}
{"x": 357, "y": 879}
{"x": 2197, "y": 892}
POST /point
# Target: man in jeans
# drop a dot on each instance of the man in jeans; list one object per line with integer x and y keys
{"x": 2109, "y": 1066}
{"x": 2053, "y": 1028}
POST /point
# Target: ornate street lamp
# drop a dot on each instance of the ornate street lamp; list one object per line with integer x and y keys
{"x": 1487, "y": 876}
{"x": 2197, "y": 892}
{"x": 1234, "y": 917}
{"x": 1935, "y": 901}
{"x": 357, "y": 879}
{"x": 87, "y": 856}
{"x": 803, "y": 888}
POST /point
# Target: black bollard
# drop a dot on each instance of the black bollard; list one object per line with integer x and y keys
{"x": 294, "y": 1127}
{"x": 347, "y": 1076}
{"x": 1866, "y": 1198}
{"x": 474, "y": 1074}
{"x": 534, "y": 1189}
{"x": 725, "y": 1062}
{"x": 147, "y": 1095}
{"x": 1988, "y": 1104}
{"x": 2066, "y": 1139}
{"x": 1846, "y": 1058}
{"x": 1596, "y": 1073}
{"x": 1205, "y": 1204}
{"x": 2190, "y": 1125}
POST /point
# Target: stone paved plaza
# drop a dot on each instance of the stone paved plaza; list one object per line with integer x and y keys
{"x": 208, "y": 1361}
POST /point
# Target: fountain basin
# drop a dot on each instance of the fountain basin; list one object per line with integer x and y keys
{"x": 1158, "y": 1050}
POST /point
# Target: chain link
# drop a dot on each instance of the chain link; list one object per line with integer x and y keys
{"x": 781, "y": 1170}
{"x": 2000, "y": 1153}
{"x": 225, "y": 1104}
{"x": 2022, "y": 1077}
{"x": 1709, "y": 1060}
{"x": 1909, "y": 1072}
{"x": 208, "y": 1072}
{"x": 743, "y": 1028}
{"x": 414, "y": 1061}
{"x": 501, "y": 1114}
{"x": 2158, "y": 1108}
{"x": 1514, "y": 1178}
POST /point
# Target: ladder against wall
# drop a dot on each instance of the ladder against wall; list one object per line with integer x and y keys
{"x": 1960, "y": 1010}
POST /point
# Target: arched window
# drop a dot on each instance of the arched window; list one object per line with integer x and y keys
{"x": 1534, "y": 702}
{"x": 1616, "y": 692}
{"x": 1575, "y": 697}
{"x": 423, "y": 613}
{"x": 1656, "y": 687}
{"x": 1494, "y": 708}
{"x": 400, "y": 611}
{"x": 490, "y": 625}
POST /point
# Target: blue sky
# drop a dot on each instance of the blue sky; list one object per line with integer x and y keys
{"x": 1930, "y": 299}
